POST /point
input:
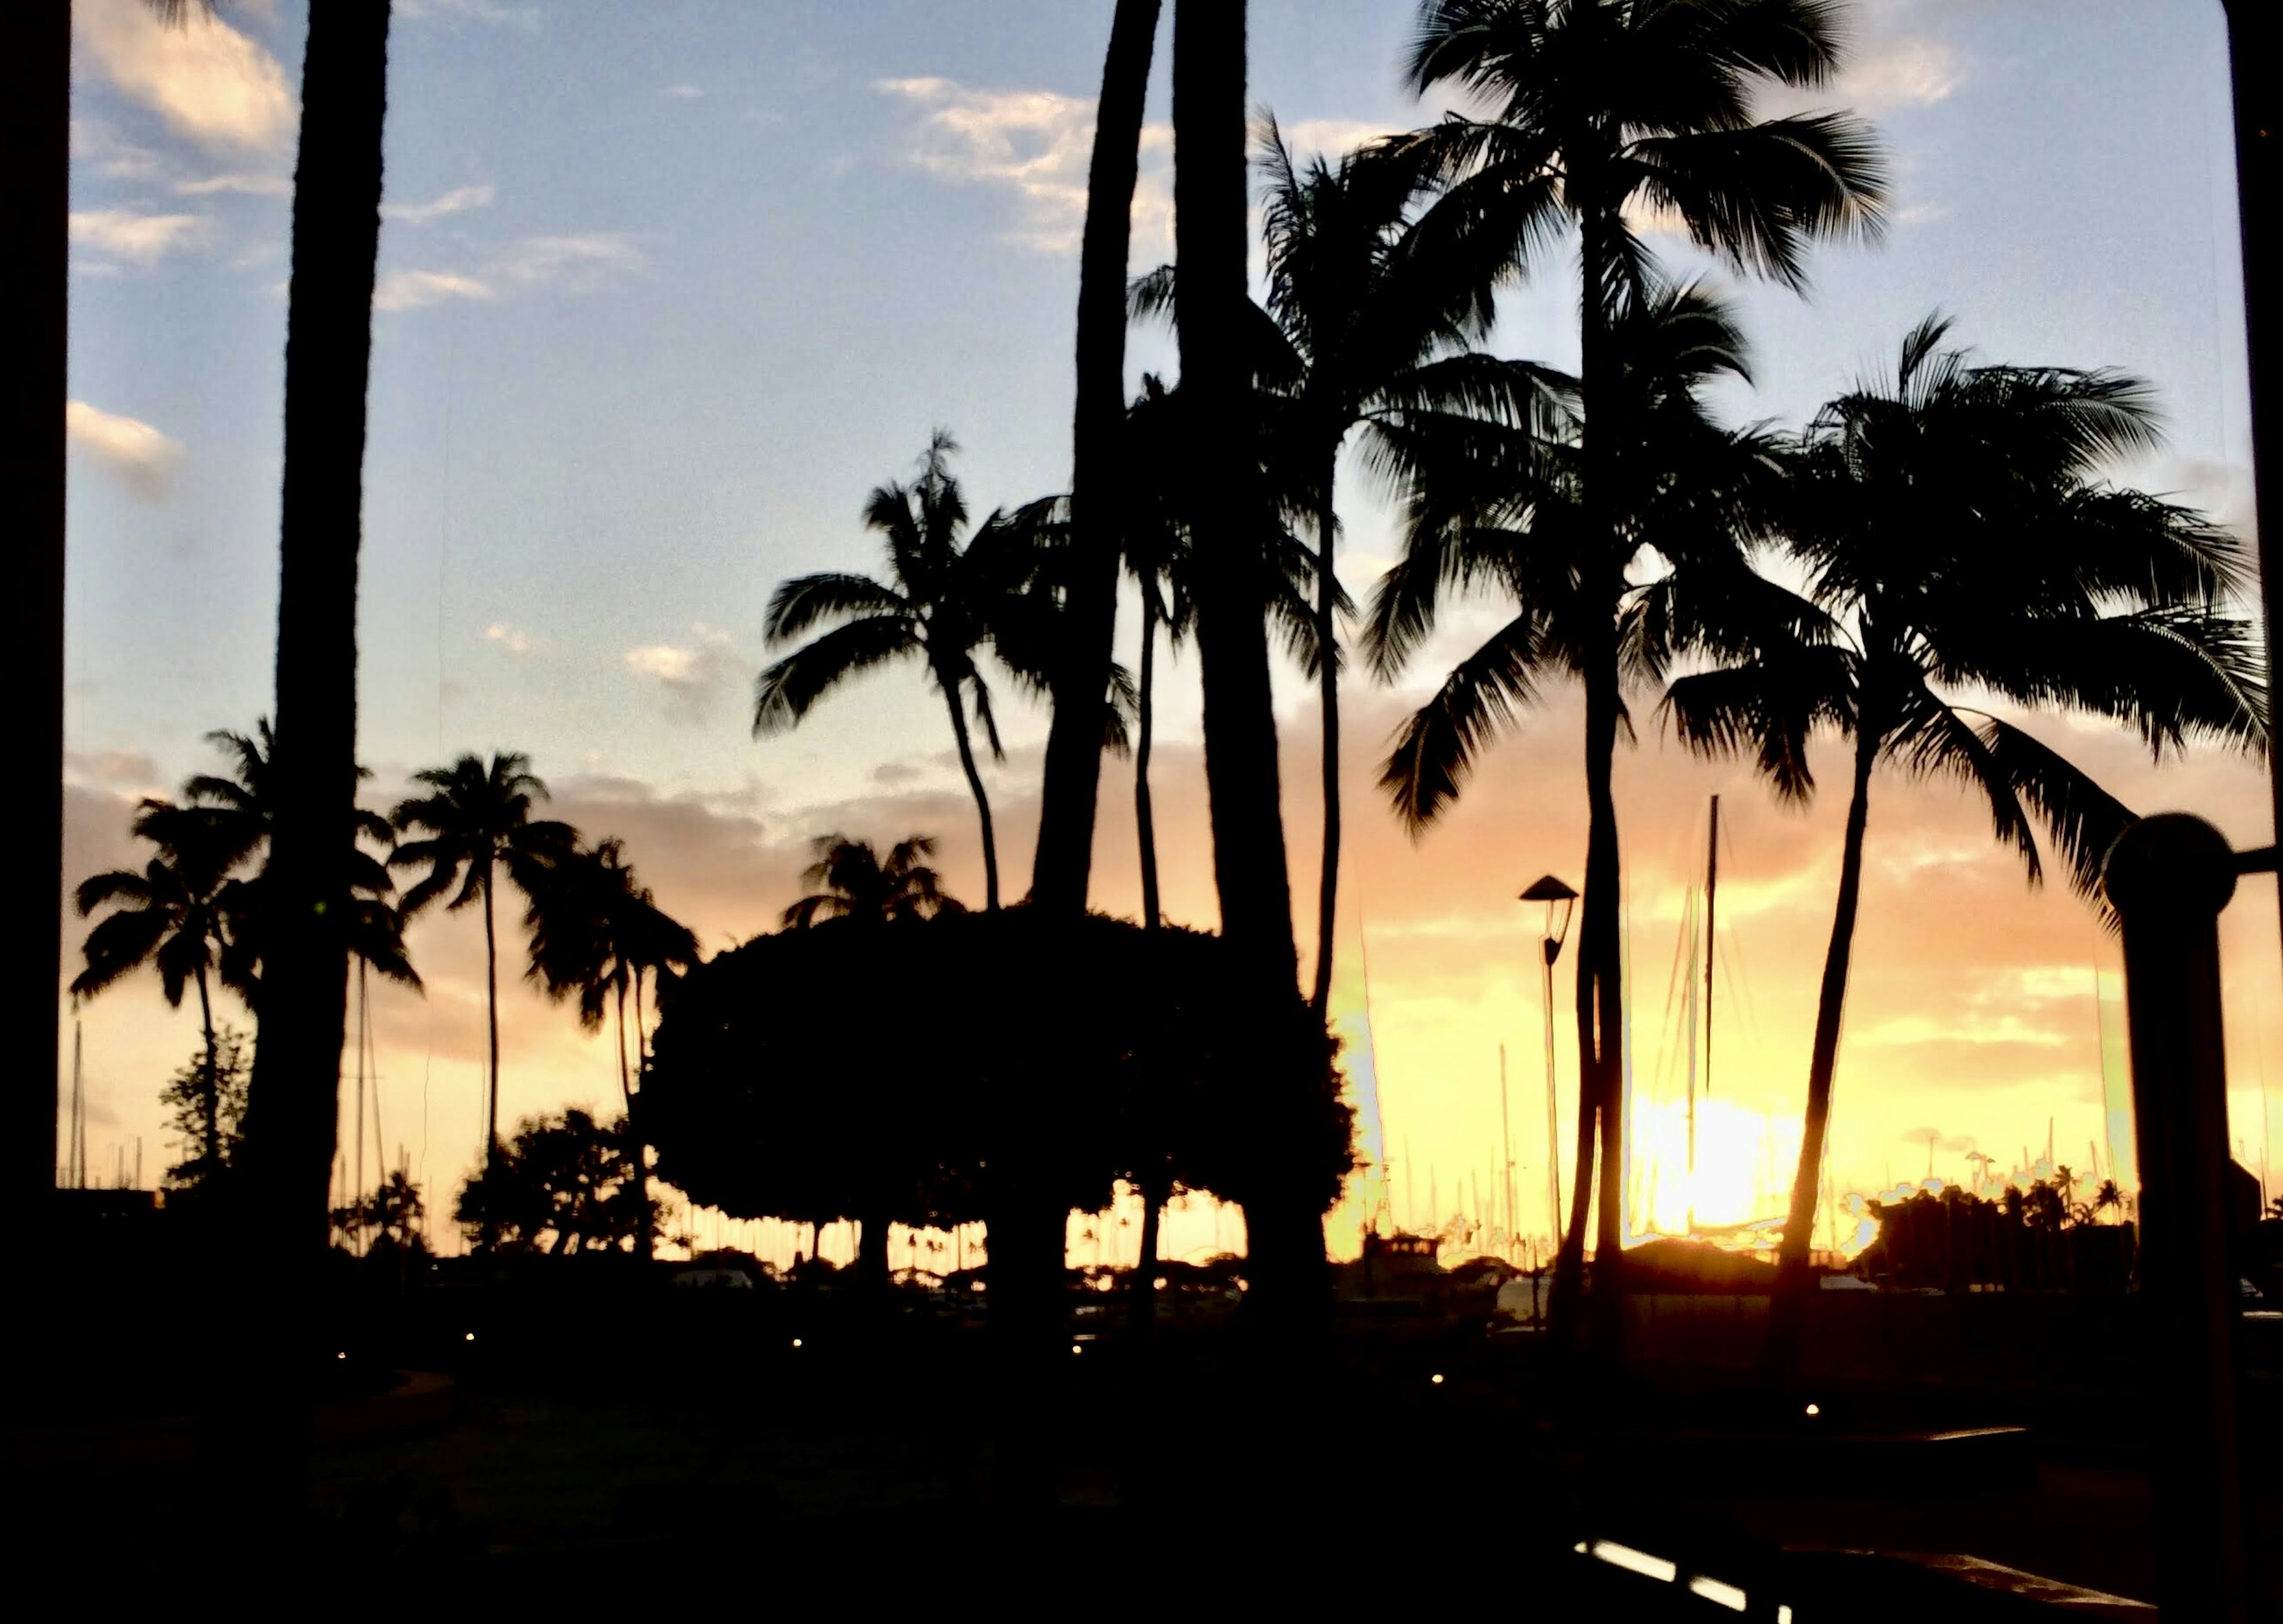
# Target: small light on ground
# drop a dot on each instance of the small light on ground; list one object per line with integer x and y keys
{"x": 1783, "y": 1615}
{"x": 1076, "y": 1348}
{"x": 340, "y": 1356}
{"x": 1635, "y": 1561}
{"x": 796, "y": 1341}
{"x": 1437, "y": 1379}
{"x": 468, "y": 1338}
{"x": 1815, "y": 1410}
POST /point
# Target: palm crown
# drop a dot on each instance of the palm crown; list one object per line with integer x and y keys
{"x": 855, "y": 882}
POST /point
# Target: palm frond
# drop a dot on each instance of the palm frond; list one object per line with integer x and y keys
{"x": 786, "y": 691}
{"x": 1437, "y": 747}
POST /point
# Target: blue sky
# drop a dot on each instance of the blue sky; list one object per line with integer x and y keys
{"x": 666, "y": 288}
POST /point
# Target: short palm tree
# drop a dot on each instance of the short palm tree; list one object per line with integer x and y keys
{"x": 1590, "y": 114}
{"x": 242, "y": 808}
{"x": 173, "y": 915}
{"x": 937, "y": 606}
{"x": 595, "y": 932}
{"x": 854, "y": 883}
{"x": 1363, "y": 333}
{"x": 1508, "y": 515}
{"x": 1955, "y": 546}
{"x": 475, "y": 820}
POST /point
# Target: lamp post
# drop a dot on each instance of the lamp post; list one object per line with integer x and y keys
{"x": 1553, "y": 894}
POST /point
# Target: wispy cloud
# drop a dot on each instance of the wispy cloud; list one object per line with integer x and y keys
{"x": 251, "y": 185}
{"x": 1036, "y": 143}
{"x": 690, "y": 678}
{"x": 144, "y": 459}
{"x": 579, "y": 263}
{"x": 1912, "y": 71}
{"x": 459, "y": 200}
{"x": 488, "y": 11}
{"x": 683, "y": 92}
{"x": 411, "y": 289}
{"x": 128, "y": 235}
{"x": 212, "y": 85}
{"x": 515, "y": 643}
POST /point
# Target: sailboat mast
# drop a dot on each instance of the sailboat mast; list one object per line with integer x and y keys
{"x": 1506, "y": 1139}
{"x": 1711, "y": 919}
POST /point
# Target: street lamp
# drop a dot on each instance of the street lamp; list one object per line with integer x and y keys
{"x": 1553, "y": 894}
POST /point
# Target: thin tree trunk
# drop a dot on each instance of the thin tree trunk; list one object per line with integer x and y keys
{"x": 260, "y": 1432}
{"x": 1787, "y": 1324}
{"x": 982, "y": 801}
{"x": 210, "y": 1101}
{"x": 34, "y": 290}
{"x": 645, "y": 1242}
{"x": 1145, "y": 822}
{"x": 1284, "y": 1227}
{"x": 491, "y": 1013}
{"x": 1327, "y": 675}
{"x": 1062, "y": 862}
{"x": 872, "y": 1256}
{"x": 1142, "y": 1299}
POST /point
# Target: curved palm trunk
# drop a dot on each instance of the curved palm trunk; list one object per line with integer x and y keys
{"x": 1145, "y": 822}
{"x": 35, "y": 288}
{"x": 1284, "y": 1232}
{"x": 1062, "y": 863}
{"x": 982, "y": 801}
{"x": 210, "y": 1101}
{"x": 1787, "y": 1325}
{"x": 259, "y": 1432}
{"x": 1328, "y": 884}
{"x": 491, "y": 1016}
{"x": 646, "y": 1243}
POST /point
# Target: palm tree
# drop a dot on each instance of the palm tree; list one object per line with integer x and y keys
{"x": 478, "y": 821}
{"x": 1953, "y": 541}
{"x": 241, "y": 807}
{"x": 172, "y": 917}
{"x": 1506, "y": 511}
{"x": 1064, "y": 857}
{"x": 938, "y": 605}
{"x": 595, "y": 932}
{"x": 1597, "y": 110}
{"x": 852, "y": 882}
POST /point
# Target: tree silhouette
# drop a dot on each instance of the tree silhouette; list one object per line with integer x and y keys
{"x": 476, "y": 821}
{"x": 170, "y": 916}
{"x": 1954, "y": 543}
{"x": 206, "y": 1106}
{"x": 939, "y": 605}
{"x": 1593, "y": 111}
{"x": 1061, "y": 865}
{"x": 595, "y": 931}
{"x": 564, "y": 1186}
{"x": 1505, "y": 512}
{"x": 854, "y": 883}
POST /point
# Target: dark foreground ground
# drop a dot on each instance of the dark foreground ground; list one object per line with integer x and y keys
{"x": 607, "y": 1437}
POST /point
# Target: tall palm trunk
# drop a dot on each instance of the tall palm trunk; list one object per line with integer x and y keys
{"x": 210, "y": 1096}
{"x": 1787, "y": 1324}
{"x": 975, "y": 785}
{"x": 1284, "y": 1230}
{"x": 1327, "y": 885}
{"x": 262, "y": 1430}
{"x": 491, "y": 1025}
{"x": 1145, "y": 822}
{"x": 34, "y": 290}
{"x": 1062, "y": 864}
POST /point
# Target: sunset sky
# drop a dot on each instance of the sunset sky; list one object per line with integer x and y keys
{"x": 667, "y": 289}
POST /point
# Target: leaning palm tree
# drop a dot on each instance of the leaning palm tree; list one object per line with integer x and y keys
{"x": 1587, "y": 116}
{"x": 1361, "y": 333}
{"x": 595, "y": 932}
{"x": 1956, "y": 549}
{"x": 1504, "y": 513}
{"x": 854, "y": 883}
{"x": 937, "y": 606}
{"x": 476, "y": 821}
{"x": 1060, "y": 866}
{"x": 173, "y": 916}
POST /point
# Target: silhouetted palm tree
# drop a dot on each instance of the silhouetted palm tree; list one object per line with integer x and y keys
{"x": 1954, "y": 543}
{"x": 242, "y": 809}
{"x": 938, "y": 605}
{"x": 1099, "y": 473}
{"x": 171, "y": 916}
{"x": 595, "y": 932}
{"x": 854, "y": 883}
{"x": 477, "y": 821}
{"x": 1596, "y": 110}
{"x": 1506, "y": 511}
